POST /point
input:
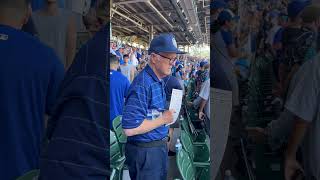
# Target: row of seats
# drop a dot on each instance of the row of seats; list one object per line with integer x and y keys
{"x": 117, "y": 145}
{"x": 193, "y": 160}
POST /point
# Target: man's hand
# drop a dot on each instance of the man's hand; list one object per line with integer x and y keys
{"x": 290, "y": 167}
{"x": 201, "y": 115}
{"x": 167, "y": 116}
{"x": 258, "y": 135}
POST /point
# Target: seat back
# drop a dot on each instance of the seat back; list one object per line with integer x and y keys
{"x": 115, "y": 153}
{"x": 185, "y": 126}
{"x": 187, "y": 143}
{"x": 117, "y": 127}
{"x": 185, "y": 165}
{"x": 31, "y": 175}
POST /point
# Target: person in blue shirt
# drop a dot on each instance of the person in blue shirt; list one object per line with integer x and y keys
{"x": 78, "y": 131}
{"x": 30, "y": 75}
{"x": 119, "y": 88}
{"x": 144, "y": 118}
{"x": 120, "y": 53}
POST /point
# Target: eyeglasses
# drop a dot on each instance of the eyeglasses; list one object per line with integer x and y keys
{"x": 170, "y": 60}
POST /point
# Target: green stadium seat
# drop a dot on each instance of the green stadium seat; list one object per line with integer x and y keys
{"x": 199, "y": 137}
{"x": 116, "y": 158}
{"x": 190, "y": 170}
{"x": 122, "y": 138}
{"x": 197, "y": 152}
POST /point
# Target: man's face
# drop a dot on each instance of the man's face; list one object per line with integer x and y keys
{"x": 121, "y": 50}
{"x": 164, "y": 63}
{"x": 126, "y": 60}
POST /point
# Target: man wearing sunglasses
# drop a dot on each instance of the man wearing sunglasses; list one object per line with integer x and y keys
{"x": 144, "y": 118}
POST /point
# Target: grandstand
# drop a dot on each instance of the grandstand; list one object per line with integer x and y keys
{"x": 134, "y": 23}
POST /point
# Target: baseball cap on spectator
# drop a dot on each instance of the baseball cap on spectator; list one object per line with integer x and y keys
{"x": 216, "y": 4}
{"x": 178, "y": 62}
{"x": 164, "y": 43}
{"x": 295, "y": 7}
{"x": 227, "y": 16}
{"x": 203, "y": 63}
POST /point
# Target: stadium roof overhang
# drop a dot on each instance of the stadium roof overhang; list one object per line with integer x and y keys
{"x": 189, "y": 21}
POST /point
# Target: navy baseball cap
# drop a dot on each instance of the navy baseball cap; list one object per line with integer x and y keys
{"x": 164, "y": 43}
{"x": 227, "y": 16}
{"x": 216, "y": 4}
{"x": 295, "y": 7}
{"x": 178, "y": 62}
{"x": 203, "y": 63}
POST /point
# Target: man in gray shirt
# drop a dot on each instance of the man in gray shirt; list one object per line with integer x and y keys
{"x": 127, "y": 69}
{"x": 300, "y": 122}
{"x": 303, "y": 103}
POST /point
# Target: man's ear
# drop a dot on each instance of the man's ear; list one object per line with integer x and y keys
{"x": 153, "y": 58}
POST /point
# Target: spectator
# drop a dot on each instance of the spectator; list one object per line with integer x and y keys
{"x": 78, "y": 130}
{"x": 133, "y": 57}
{"x": 204, "y": 107}
{"x": 120, "y": 85}
{"x": 120, "y": 53}
{"x": 30, "y": 75}
{"x": 224, "y": 50}
{"x": 59, "y": 36}
{"x": 291, "y": 37}
{"x": 305, "y": 133}
{"x": 127, "y": 69}
{"x": 146, "y": 148}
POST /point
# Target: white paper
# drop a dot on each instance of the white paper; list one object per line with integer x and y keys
{"x": 220, "y": 115}
{"x": 175, "y": 103}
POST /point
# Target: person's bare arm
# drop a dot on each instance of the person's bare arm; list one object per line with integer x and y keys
{"x": 201, "y": 107}
{"x": 149, "y": 125}
{"x": 71, "y": 41}
{"x": 291, "y": 164}
{"x": 132, "y": 73}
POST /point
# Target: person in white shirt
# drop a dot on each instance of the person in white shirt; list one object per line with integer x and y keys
{"x": 133, "y": 57}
